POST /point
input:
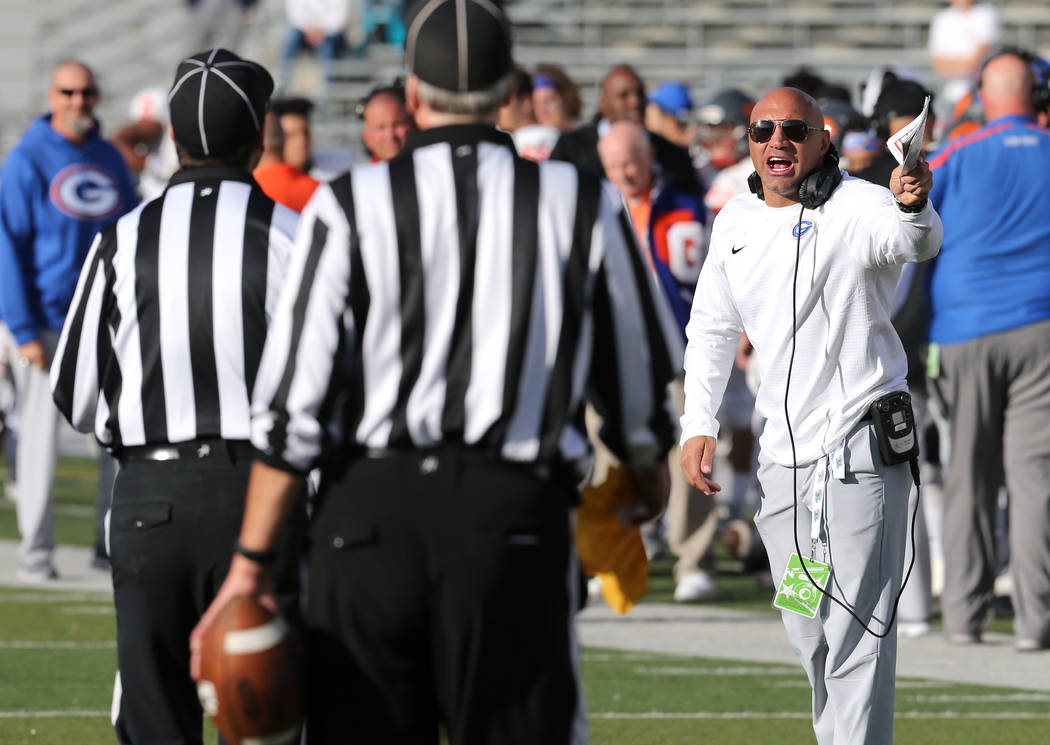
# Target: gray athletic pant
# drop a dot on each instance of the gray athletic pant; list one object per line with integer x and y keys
{"x": 997, "y": 389}
{"x": 851, "y": 672}
{"x": 691, "y": 515}
{"x": 35, "y": 456}
{"x": 916, "y": 603}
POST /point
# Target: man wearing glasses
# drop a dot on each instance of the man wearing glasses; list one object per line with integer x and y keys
{"x": 827, "y": 350}
{"x": 59, "y": 186}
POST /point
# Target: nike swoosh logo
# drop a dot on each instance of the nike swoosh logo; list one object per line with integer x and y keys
{"x": 736, "y": 250}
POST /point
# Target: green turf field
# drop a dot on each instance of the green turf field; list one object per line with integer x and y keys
{"x": 58, "y": 658}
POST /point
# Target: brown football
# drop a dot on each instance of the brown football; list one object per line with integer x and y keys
{"x": 251, "y": 675}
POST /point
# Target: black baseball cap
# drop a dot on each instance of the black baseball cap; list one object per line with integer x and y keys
{"x": 218, "y": 102}
{"x": 458, "y": 45}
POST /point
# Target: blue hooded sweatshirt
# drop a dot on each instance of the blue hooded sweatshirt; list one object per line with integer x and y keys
{"x": 54, "y": 197}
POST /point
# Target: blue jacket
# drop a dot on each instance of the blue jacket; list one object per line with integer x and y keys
{"x": 677, "y": 247}
{"x": 992, "y": 191}
{"x": 54, "y": 197}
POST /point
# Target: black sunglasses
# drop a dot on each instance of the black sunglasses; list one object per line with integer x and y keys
{"x": 795, "y": 130}
{"x": 89, "y": 92}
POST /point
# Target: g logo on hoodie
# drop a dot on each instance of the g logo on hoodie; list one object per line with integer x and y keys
{"x": 85, "y": 192}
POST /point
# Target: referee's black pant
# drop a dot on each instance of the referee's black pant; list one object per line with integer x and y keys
{"x": 172, "y": 529}
{"x": 441, "y": 591}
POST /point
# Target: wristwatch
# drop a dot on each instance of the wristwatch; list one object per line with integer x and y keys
{"x": 913, "y": 208}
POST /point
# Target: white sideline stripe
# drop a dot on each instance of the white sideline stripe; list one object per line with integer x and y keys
{"x": 24, "y": 644}
{"x": 70, "y": 510}
{"x": 61, "y": 597}
{"x": 281, "y": 738}
{"x": 808, "y": 715}
{"x": 258, "y": 639}
{"x": 51, "y": 714}
{"x": 996, "y": 698}
{"x": 901, "y": 685}
{"x": 87, "y": 610}
{"x": 681, "y": 670}
{"x": 627, "y": 657}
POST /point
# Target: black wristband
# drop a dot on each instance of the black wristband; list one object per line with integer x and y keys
{"x": 913, "y": 208}
{"x": 259, "y": 557}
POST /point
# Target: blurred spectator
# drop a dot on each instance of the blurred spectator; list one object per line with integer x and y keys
{"x": 318, "y": 26}
{"x": 810, "y": 82}
{"x": 840, "y": 117}
{"x": 517, "y": 116}
{"x": 860, "y": 147}
{"x": 623, "y": 99}
{"x": 669, "y": 113}
{"x": 961, "y": 36}
{"x": 145, "y": 143}
{"x": 671, "y": 229}
{"x": 59, "y": 186}
{"x": 294, "y": 117}
{"x": 383, "y": 22}
{"x": 280, "y": 181}
{"x": 899, "y": 103}
{"x": 386, "y": 122}
{"x": 968, "y": 115}
{"x": 555, "y": 98}
{"x": 218, "y": 23}
{"x": 990, "y": 304}
{"x": 723, "y": 155}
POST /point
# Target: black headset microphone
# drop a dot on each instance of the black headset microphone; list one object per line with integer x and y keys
{"x": 813, "y": 191}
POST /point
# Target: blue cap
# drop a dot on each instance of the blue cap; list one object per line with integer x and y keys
{"x": 673, "y": 97}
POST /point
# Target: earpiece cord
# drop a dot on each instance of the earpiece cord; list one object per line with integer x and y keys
{"x": 914, "y": 463}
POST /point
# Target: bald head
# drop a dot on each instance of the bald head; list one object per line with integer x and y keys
{"x": 1006, "y": 87}
{"x": 622, "y": 95}
{"x": 781, "y": 162}
{"x": 627, "y": 158}
{"x": 783, "y": 99}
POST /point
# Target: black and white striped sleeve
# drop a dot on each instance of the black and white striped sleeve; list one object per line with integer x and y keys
{"x": 637, "y": 348}
{"x": 301, "y": 359}
{"x": 75, "y": 367}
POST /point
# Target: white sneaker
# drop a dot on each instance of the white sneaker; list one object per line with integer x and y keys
{"x": 693, "y": 587}
{"x": 913, "y": 628}
{"x": 36, "y": 575}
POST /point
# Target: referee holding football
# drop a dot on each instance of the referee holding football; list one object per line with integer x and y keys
{"x": 448, "y": 314}
{"x": 158, "y": 357}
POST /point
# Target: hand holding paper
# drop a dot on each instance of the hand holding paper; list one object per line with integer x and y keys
{"x": 906, "y": 143}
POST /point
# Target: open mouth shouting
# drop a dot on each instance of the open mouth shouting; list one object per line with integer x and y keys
{"x": 779, "y": 166}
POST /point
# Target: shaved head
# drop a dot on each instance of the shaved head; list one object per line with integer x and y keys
{"x": 1006, "y": 87}
{"x": 789, "y": 98}
{"x": 782, "y": 163}
{"x": 622, "y": 95}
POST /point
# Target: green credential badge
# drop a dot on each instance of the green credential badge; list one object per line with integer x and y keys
{"x": 796, "y": 593}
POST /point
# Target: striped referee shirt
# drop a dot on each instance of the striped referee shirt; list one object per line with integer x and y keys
{"x": 166, "y": 329}
{"x": 463, "y": 295}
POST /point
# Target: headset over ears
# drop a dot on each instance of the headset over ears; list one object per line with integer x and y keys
{"x": 1040, "y": 74}
{"x": 816, "y": 187}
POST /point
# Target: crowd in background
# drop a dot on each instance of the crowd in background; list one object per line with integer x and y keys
{"x": 676, "y": 162}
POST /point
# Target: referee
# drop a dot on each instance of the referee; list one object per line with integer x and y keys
{"x": 158, "y": 356}
{"x": 448, "y": 314}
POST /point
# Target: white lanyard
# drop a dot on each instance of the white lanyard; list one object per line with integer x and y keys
{"x": 836, "y": 461}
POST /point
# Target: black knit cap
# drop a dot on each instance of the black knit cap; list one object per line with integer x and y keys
{"x": 458, "y": 45}
{"x": 218, "y": 102}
